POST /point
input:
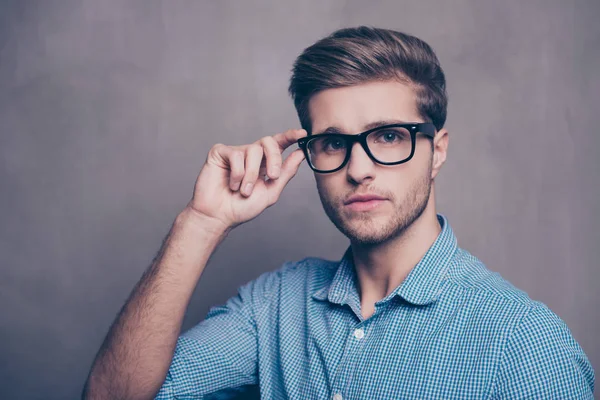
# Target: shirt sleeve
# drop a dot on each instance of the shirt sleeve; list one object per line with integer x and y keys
{"x": 217, "y": 358}
{"x": 543, "y": 361}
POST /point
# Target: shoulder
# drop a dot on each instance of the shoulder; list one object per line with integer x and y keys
{"x": 469, "y": 274}
{"x": 541, "y": 330}
{"x": 539, "y": 356}
{"x": 303, "y": 274}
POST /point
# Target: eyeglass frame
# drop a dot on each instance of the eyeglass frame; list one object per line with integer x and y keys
{"x": 413, "y": 128}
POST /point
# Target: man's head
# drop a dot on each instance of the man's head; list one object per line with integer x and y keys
{"x": 356, "y": 77}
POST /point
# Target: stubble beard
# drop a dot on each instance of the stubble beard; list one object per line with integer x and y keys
{"x": 366, "y": 229}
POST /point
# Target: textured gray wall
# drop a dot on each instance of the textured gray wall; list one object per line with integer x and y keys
{"x": 108, "y": 109}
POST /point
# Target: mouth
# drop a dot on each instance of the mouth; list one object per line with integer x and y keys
{"x": 361, "y": 206}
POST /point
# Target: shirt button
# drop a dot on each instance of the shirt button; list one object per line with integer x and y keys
{"x": 337, "y": 396}
{"x": 359, "y": 333}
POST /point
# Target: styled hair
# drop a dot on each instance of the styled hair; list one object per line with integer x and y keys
{"x": 363, "y": 54}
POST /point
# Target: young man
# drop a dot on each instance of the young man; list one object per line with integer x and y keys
{"x": 404, "y": 314}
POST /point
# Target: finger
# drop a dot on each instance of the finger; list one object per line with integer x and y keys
{"x": 254, "y": 155}
{"x": 288, "y": 171}
{"x": 236, "y": 164}
{"x": 289, "y": 137}
{"x": 231, "y": 159}
{"x": 272, "y": 155}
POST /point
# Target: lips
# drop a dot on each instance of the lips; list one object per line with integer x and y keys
{"x": 363, "y": 198}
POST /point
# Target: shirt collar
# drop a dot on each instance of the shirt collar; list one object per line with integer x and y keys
{"x": 422, "y": 286}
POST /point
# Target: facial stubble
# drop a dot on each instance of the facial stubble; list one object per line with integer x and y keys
{"x": 369, "y": 229}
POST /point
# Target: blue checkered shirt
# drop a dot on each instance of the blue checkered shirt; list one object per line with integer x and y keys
{"x": 452, "y": 330}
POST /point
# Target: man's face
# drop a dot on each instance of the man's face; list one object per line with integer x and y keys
{"x": 406, "y": 187}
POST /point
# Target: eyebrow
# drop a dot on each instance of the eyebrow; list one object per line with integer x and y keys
{"x": 369, "y": 126}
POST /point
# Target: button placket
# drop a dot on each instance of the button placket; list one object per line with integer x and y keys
{"x": 352, "y": 349}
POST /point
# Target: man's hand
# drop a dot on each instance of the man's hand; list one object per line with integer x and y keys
{"x": 231, "y": 188}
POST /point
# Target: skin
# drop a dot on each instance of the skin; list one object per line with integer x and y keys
{"x": 388, "y": 241}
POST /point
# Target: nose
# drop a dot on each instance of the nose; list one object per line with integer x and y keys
{"x": 360, "y": 166}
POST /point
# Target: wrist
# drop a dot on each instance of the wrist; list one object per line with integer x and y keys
{"x": 203, "y": 223}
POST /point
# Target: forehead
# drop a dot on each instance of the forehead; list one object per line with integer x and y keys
{"x": 351, "y": 108}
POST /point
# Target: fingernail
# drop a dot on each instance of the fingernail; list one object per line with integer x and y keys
{"x": 248, "y": 188}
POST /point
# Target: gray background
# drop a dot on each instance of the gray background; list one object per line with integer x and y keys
{"x": 108, "y": 109}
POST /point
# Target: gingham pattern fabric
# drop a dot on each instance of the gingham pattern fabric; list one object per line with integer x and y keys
{"x": 452, "y": 330}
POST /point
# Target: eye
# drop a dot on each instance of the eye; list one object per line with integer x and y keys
{"x": 333, "y": 144}
{"x": 389, "y": 136}
{"x": 327, "y": 145}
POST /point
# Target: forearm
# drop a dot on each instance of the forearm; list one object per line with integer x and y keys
{"x": 136, "y": 354}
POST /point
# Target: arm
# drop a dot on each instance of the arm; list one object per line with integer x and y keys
{"x": 230, "y": 190}
{"x": 219, "y": 356}
{"x": 543, "y": 361}
{"x": 136, "y": 354}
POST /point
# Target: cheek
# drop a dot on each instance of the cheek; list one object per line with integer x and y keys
{"x": 398, "y": 183}
{"x": 327, "y": 185}
{"x": 423, "y": 154}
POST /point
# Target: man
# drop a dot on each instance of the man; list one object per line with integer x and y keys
{"x": 404, "y": 314}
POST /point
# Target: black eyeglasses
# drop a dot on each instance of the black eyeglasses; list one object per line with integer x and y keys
{"x": 388, "y": 145}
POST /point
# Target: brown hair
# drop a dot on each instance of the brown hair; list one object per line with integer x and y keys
{"x": 351, "y": 56}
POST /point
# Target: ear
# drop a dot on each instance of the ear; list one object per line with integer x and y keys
{"x": 440, "y": 151}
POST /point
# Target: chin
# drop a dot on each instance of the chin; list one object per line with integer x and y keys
{"x": 367, "y": 230}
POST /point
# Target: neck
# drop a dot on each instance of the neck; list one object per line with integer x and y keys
{"x": 380, "y": 269}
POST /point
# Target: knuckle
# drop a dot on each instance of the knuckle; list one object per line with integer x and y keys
{"x": 254, "y": 148}
{"x": 237, "y": 154}
{"x": 216, "y": 148}
{"x": 271, "y": 147}
{"x": 269, "y": 141}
